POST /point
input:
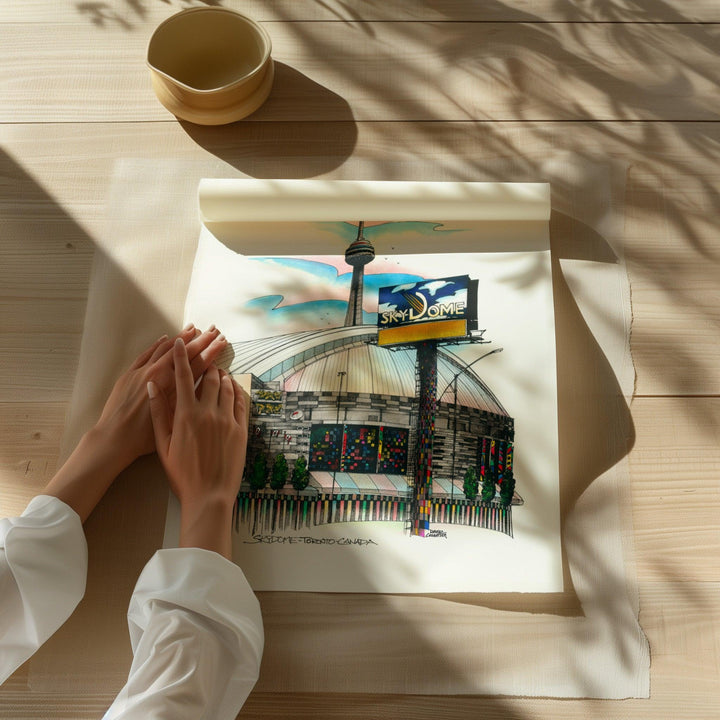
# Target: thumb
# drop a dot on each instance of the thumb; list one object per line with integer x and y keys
{"x": 160, "y": 416}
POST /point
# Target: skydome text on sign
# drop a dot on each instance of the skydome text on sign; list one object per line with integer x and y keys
{"x": 427, "y": 310}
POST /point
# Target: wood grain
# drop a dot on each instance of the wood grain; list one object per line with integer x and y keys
{"x": 670, "y": 194}
{"x": 396, "y": 89}
{"x": 440, "y": 71}
{"x": 31, "y": 435}
{"x": 681, "y": 619}
{"x": 675, "y": 465}
{"x": 130, "y": 14}
{"x": 38, "y": 367}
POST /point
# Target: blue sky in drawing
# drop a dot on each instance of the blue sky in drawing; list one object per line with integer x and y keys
{"x": 325, "y": 282}
{"x": 329, "y": 311}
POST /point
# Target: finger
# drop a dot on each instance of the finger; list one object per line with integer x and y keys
{"x": 188, "y": 333}
{"x": 210, "y": 387}
{"x": 141, "y": 359}
{"x": 160, "y": 415}
{"x": 162, "y": 357}
{"x": 242, "y": 405}
{"x": 204, "y": 359}
{"x": 183, "y": 377}
{"x": 201, "y": 341}
{"x": 162, "y": 349}
{"x": 227, "y": 395}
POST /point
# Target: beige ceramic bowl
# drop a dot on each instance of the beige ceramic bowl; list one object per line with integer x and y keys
{"x": 210, "y": 66}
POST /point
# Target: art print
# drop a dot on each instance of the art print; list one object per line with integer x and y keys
{"x": 392, "y": 413}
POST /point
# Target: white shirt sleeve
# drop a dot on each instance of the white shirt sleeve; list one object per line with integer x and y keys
{"x": 43, "y": 568}
{"x": 197, "y": 639}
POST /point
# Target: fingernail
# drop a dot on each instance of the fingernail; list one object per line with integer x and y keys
{"x": 151, "y": 390}
{"x": 211, "y": 328}
{"x": 179, "y": 343}
{"x": 189, "y": 326}
{"x": 221, "y": 338}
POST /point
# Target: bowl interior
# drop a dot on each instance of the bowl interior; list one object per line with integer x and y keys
{"x": 208, "y": 49}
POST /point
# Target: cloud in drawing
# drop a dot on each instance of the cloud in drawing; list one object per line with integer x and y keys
{"x": 434, "y": 285}
{"x": 307, "y": 283}
{"x": 400, "y": 288}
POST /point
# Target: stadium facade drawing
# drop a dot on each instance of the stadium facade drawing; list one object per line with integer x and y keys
{"x": 379, "y": 419}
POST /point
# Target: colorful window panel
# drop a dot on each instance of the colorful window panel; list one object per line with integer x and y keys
{"x": 501, "y": 447}
{"x": 509, "y": 458}
{"x": 392, "y": 455}
{"x": 360, "y": 449}
{"x": 492, "y": 464}
{"x": 325, "y": 447}
{"x": 483, "y": 448}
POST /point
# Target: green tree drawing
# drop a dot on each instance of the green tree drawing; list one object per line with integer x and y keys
{"x": 300, "y": 475}
{"x": 470, "y": 483}
{"x": 488, "y": 488}
{"x": 507, "y": 488}
{"x": 279, "y": 474}
{"x": 258, "y": 472}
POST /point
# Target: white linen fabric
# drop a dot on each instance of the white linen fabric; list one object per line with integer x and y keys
{"x": 43, "y": 566}
{"x": 195, "y": 624}
{"x": 197, "y": 639}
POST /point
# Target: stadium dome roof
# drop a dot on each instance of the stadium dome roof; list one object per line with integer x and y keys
{"x": 314, "y": 361}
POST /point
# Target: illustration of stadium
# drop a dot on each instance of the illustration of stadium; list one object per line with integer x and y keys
{"x": 377, "y": 421}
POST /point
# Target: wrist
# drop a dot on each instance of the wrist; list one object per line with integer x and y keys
{"x": 206, "y": 523}
{"x": 86, "y": 475}
{"x": 109, "y": 444}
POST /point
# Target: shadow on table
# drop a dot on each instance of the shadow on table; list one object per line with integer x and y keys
{"x": 300, "y": 152}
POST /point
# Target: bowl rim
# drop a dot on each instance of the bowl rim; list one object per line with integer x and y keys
{"x": 233, "y": 112}
{"x": 208, "y": 10}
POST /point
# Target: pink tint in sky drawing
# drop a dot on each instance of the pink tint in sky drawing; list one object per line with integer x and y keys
{"x": 379, "y": 265}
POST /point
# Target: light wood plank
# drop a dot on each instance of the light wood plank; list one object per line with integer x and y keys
{"x": 681, "y": 619}
{"x": 36, "y": 315}
{"x": 670, "y": 203}
{"x": 38, "y": 367}
{"x": 339, "y": 71}
{"x": 131, "y": 14}
{"x": 61, "y": 275}
{"x": 671, "y": 216}
{"x": 675, "y": 470}
{"x": 31, "y": 434}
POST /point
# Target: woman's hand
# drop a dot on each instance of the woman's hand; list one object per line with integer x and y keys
{"x": 202, "y": 447}
{"x": 126, "y": 415}
{"x": 124, "y": 431}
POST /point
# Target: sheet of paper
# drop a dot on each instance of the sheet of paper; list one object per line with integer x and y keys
{"x": 408, "y": 485}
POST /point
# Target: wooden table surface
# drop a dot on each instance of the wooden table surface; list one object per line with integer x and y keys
{"x": 404, "y": 89}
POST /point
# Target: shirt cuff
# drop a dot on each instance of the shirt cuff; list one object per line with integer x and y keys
{"x": 197, "y": 636}
{"x": 202, "y": 582}
{"x": 43, "y": 570}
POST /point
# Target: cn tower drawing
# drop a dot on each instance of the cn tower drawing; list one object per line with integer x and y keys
{"x": 358, "y": 254}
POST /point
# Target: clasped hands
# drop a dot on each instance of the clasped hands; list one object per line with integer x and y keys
{"x": 200, "y": 434}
